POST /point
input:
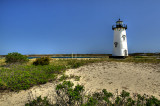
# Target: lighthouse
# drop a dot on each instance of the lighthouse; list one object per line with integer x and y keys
{"x": 120, "y": 49}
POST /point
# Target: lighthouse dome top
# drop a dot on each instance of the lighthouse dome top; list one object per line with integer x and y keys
{"x": 119, "y": 20}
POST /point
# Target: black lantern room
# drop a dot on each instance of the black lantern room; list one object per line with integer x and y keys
{"x": 119, "y": 24}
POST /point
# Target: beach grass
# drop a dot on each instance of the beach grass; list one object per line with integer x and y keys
{"x": 17, "y": 77}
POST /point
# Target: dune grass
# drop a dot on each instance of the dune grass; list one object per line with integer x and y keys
{"x": 23, "y": 77}
{"x": 17, "y": 77}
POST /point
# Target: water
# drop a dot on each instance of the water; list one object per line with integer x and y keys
{"x": 64, "y": 57}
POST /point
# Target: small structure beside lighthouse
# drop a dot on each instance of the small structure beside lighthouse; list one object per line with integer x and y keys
{"x": 120, "y": 49}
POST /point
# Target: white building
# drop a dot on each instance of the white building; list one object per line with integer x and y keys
{"x": 120, "y": 48}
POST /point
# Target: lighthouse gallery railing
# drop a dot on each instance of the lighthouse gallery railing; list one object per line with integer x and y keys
{"x": 119, "y": 26}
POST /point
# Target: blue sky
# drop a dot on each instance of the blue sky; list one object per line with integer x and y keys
{"x": 77, "y": 26}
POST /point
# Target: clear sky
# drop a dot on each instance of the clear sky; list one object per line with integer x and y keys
{"x": 77, "y": 26}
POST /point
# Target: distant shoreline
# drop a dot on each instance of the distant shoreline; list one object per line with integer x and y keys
{"x": 65, "y": 55}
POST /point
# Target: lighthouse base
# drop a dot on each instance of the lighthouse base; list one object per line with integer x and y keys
{"x": 118, "y": 57}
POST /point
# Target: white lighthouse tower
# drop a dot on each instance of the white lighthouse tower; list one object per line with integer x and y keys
{"x": 120, "y": 49}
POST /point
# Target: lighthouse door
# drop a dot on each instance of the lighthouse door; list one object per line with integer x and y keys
{"x": 125, "y": 52}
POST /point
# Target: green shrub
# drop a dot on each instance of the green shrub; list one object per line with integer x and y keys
{"x": 77, "y": 78}
{"x": 69, "y": 96}
{"x": 42, "y": 61}
{"x": 39, "y": 102}
{"x": 63, "y": 77}
{"x": 16, "y": 58}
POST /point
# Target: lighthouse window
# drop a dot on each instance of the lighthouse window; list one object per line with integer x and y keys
{"x": 115, "y": 44}
{"x": 124, "y": 37}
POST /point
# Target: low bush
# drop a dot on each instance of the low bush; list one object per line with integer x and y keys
{"x": 69, "y": 96}
{"x": 16, "y": 58}
{"x": 77, "y": 78}
{"x": 39, "y": 102}
{"x": 42, "y": 61}
{"x": 63, "y": 77}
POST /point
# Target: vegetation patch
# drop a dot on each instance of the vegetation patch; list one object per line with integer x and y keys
{"x": 23, "y": 77}
{"x": 39, "y": 101}
{"x": 65, "y": 77}
{"x": 137, "y": 59}
{"x": 42, "y": 61}
{"x": 69, "y": 96}
{"x": 17, "y": 77}
{"x": 77, "y": 78}
{"x": 16, "y": 58}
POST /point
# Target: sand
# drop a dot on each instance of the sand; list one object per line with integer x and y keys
{"x": 22, "y": 97}
{"x": 136, "y": 78}
{"x": 139, "y": 78}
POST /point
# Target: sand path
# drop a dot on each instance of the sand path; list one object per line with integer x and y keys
{"x": 135, "y": 78}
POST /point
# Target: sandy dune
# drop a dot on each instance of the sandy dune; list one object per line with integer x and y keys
{"x": 22, "y": 97}
{"x": 135, "y": 78}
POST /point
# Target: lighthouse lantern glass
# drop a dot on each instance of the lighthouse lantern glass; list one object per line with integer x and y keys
{"x": 119, "y": 23}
